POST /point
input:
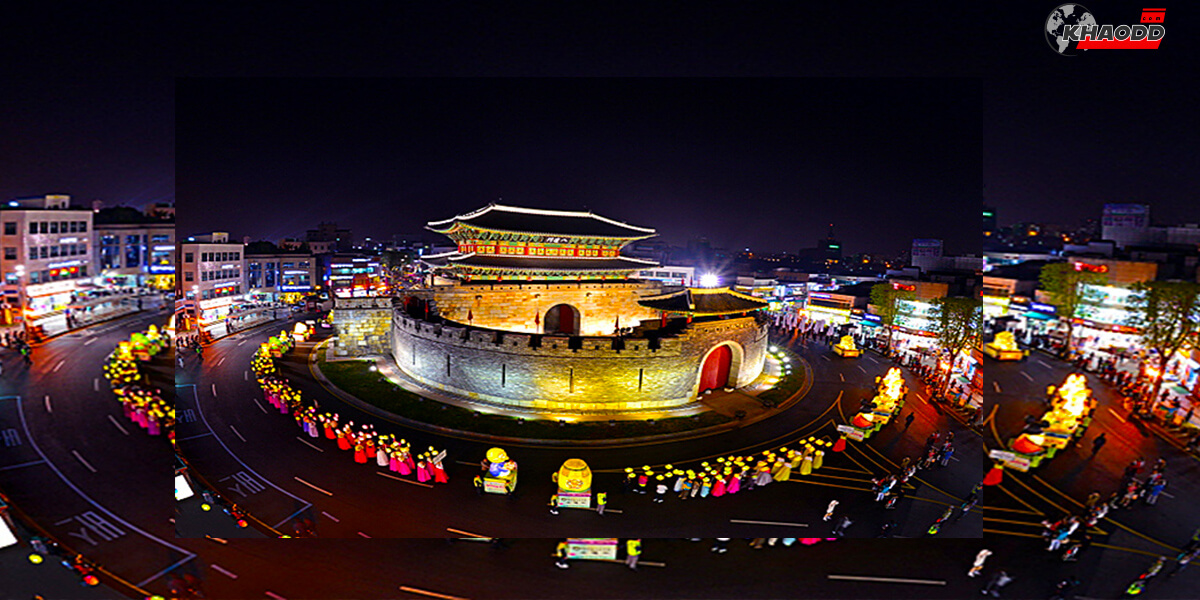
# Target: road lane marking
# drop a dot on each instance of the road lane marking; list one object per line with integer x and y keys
{"x": 59, "y": 365}
{"x": 871, "y": 358}
{"x": 96, "y": 384}
{"x": 331, "y": 517}
{"x": 89, "y": 342}
{"x": 222, "y": 571}
{"x": 214, "y": 388}
{"x": 824, "y": 357}
{"x": 769, "y": 522}
{"x": 842, "y": 377}
{"x": 48, "y": 408}
{"x": 402, "y": 479}
{"x": 187, "y": 555}
{"x": 260, "y": 406}
{"x": 273, "y": 595}
{"x": 1026, "y": 376}
{"x": 114, "y": 422}
{"x": 996, "y": 384}
{"x": 313, "y": 486}
{"x": 198, "y": 435}
{"x": 28, "y": 464}
{"x": 887, "y": 579}
{"x": 1117, "y": 415}
{"x": 860, "y": 368}
{"x": 305, "y": 442}
{"x": 238, "y": 433}
{"x": 413, "y": 590}
{"x": 243, "y": 341}
{"x": 245, "y": 375}
{"x": 85, "y": 463}
{"x": 364, "y": 535}
{"x": 1167, "y": 494}
{"x": 221, "y": 362}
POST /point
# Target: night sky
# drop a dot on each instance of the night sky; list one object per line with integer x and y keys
{"x": 1065, "y": 135}
{"x": 766, "y": 164}
{"x": 111, "y": 139}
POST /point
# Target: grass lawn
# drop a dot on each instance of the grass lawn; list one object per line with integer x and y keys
{"x": 356, "y": 378}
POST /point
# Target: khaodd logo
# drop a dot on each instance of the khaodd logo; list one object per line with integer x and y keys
{"x": 1071, "y": 28}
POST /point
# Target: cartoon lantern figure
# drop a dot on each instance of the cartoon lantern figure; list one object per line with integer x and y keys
{"x": 501, "y": 475}
{"x": 846, "y": 348}
{"x": 574, "y": 480}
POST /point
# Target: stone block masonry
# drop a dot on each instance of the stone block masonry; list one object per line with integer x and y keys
{"x": 363, "y": 327}
{"x": 523, "y": 306}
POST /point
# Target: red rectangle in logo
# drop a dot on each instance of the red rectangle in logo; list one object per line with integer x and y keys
{"x": 1153, "y": 15}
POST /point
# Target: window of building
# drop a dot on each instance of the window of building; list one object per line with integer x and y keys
{"x": 187, "y": 257}
{"x": 53, "y": 226}
{"x": 160, "y": 239}
{"x": 10, "y": 228}
{"x": 83, "y": 227}
{"x": 44, "y": 252}
{"x": 33, "y": 227}
{"x": 53, "y": 251}
{"x": 188, "y": 276}
{"x": 10, "y": 253}
{"x": 72, "y": 227}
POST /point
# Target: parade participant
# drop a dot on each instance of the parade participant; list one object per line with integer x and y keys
{"x": 937, "y": 525}
{"x": 782, "y": 471}
{"x": 343, "y": 443}
{"x": 719, "y": 486}
{"x": 979, "y": 559}
{"x": 679, "y": 479}
{"x": 829, "y": 511}
{"x": 423, "y": 474}
{"x": 999, "y": 580}
{"x": 721, "y": 545}
{"x": 360, "y": 455}
{"x": 406, "y": 451}
{"x": 561, "y": 553}
{"x": 733, "y": 482}
{"x": 478, "y": 481}
{"x": 554, "y": 504}
{"x": 601, "y": 502}
{"x": 660, "y": 490}
{"x": 840, "y": 530}
{"x": 1063, "y": 587}
{"x": 435, "y": 465}
{"x": 705, "y": 486}
{"x": 1185, "y": 558}
{"x": 633, "y": 551}
{"x": 404, "y": 461}
{"x": 643, "y": 479}
{"x": 630, "y": 480}
{"x": 381, "y": 456}
{"x": 1155, "y": 490}
{"x": 764, "y": 475}
{"x": 689, "y": 484}
{"x": 947, "y": 453}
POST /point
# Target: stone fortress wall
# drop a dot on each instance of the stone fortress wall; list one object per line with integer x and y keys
{"x": 565, "y": 374}
{"x": 514, "y": 306}
{"x": 363, "y": 326}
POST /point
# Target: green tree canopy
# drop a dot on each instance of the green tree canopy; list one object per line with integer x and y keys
{"x": 1062, "y": 282}
{"x": 1167, "y": 313}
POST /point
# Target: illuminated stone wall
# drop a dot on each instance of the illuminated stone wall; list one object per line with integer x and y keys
{"x": 513, "y": 306}
{"x": 502, "y": 367}
{"x": 363, "y": 327}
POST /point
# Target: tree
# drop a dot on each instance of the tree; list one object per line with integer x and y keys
{"x": 957, "y": 325}
{"x": 885, "y": 297}
{"x": 1168, "y": 315}
{"x": 1063, "y": 282}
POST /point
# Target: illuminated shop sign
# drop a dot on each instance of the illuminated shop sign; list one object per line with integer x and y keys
{"x": 162, "y": 268}
{"x": 70, "y": 263}
{"x": 904, "y": 287}
{"x": 225, "y": 285}
{"x": 876, "y": 319}
{"x": 1042, "y": 308}
{"x": 294, "y": 288}
{"x": 69, "y": 240}
{"x": 1082, "y": 266}
{"x": 164, "y": 248}
{"x": 818, "y": 295}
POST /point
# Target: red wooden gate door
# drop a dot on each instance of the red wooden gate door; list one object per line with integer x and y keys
{"x": 715, "y": 374}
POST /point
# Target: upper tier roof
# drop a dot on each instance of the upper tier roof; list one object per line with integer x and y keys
{"x": 538, "y": 263}
{"x": 498, "y": 217}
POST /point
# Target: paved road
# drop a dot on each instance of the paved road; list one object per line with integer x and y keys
{"x": 259, "y": 458}
{"x": 1128, "y": 540}
{"x": 76, "y": 466}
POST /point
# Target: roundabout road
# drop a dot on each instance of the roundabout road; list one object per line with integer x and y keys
{"x": 259, "y": 458}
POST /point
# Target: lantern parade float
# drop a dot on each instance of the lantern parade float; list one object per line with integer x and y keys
{"x": 846, "y": 348}
{"x": 1068, "y": 418}
{"x": 889, "y": 399}
{"x": 501, "y": 477}
{"x": 1004, "y": 347}
{"x": 574, "y": 481}
{"x": 141, "y": 405}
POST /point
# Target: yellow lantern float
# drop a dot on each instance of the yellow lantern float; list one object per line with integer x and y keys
{"x": 846, "y": 348}
{"x": 574, "y": 481}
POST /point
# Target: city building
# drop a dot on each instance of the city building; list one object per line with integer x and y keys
{"x": 669, "y": 275}
{"x": 926, "y": 254}
{"x": 328, "y": 238}
{"x": 276, "y": 275}
{"x": 133, "y": 249}
{"x": 47, "y": 257}
{"x": 348, "y": 275}
{"x": 213, "y": 278}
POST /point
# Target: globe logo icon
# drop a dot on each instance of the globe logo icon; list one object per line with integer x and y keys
{"x": 1066, "y": 14}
